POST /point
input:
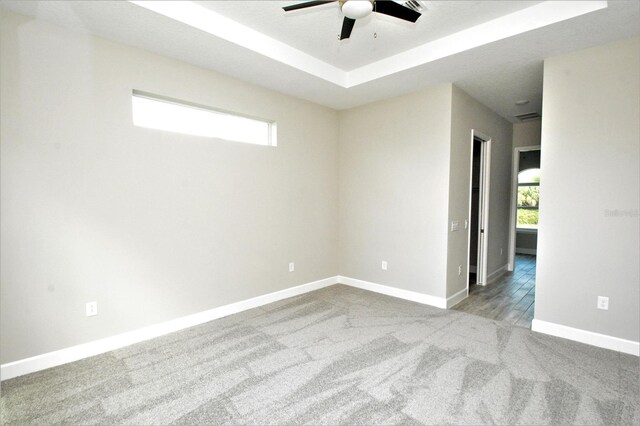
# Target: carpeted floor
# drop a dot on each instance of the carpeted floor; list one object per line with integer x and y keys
{"x": 337, "y": 356}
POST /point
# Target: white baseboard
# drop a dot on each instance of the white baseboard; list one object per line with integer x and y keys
{"x": 96, "y": 347}
{"x": 85, "y": 350}
{"x": 457, "y": 298}
{"x": 526, "y": 251}
{"x": 588, "y": 337}
{"x": 425, "y": 299}
{"x": 497, "y": 273}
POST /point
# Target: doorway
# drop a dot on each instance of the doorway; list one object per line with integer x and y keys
{"x": 525, "y": 201}
{"x": 479, "y": 209}
{"x": 511, "y": 299}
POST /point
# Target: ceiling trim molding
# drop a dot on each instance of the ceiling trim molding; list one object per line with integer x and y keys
{"x": 197, "y": 16}
{"x": 525, "y": 20}
{"x": 531, "y": 18}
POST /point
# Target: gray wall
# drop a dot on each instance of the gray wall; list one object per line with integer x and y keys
{"x": 394, "y": 169}
{"x": 468, "y": 114}
{"x": 588, "y": 242}
{"x": 529, "y": 160}
{"x": 526, "y": 242}
{"x": 527, "y": 133}
{"x": 151, "y": 225}
{"x": 401, "y": 160}
{"x": 155, "y": 226}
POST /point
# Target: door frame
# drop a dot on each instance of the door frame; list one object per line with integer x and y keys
{"x": 514, "y": 201}
{"x": 483, "y": 216}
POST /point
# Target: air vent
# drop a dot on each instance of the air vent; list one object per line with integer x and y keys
{"x": 416, "y": 5}
{"x": 527, "y": 116}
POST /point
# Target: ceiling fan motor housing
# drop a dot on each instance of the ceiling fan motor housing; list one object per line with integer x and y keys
{"x": 356, "y": 9}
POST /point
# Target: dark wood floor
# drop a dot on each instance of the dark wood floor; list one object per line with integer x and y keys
{"x": 510, "y": 299}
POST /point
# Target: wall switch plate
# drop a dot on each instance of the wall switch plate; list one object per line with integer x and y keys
{"x": 603, "y": 303}
{"x": 92, "y": 309}
{"x": 384, "y": 265}
{"x": 459, "y": 269}
{"x": 292, "y": 266}
{"x": 454, "y": 225}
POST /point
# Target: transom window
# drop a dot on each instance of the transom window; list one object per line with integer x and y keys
{"x": 156, "y": 112}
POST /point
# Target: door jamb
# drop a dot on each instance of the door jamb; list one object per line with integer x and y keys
{"x": 487, "y": 185}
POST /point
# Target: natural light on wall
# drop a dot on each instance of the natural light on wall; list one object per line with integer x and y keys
{"x": 174, "y": 116}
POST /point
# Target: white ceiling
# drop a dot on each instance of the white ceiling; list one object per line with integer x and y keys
{"x": 315, "y": 30}
{"x": 494, "y": 50}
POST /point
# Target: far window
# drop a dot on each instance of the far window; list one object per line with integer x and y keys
{"x": 170, "y": 115}
{"x": 528, "y": 198}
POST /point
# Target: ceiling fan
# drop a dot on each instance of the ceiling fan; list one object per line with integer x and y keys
{"x": 358, "y": 9}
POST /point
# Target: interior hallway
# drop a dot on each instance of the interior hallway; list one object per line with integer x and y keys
{"x": 510, "y": 299}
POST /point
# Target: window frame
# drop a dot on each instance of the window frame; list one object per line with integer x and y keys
{"x": 271, "y": 136}
{"x": 537, "y": 208}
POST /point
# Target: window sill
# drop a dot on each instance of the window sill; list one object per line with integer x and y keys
{"x": 526, "y": 230}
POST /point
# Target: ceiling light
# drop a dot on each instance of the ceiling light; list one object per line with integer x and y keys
{"x": 522, "y": 102}
{"x": 356, "y": 9}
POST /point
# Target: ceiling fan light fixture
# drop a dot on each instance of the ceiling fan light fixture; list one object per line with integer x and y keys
{"x": 357, "y": 9}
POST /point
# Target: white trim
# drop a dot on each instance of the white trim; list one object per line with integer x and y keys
{"x": 497, "y": 273}
{"x": 425, "y": 299}
{"x": 211, "y": 22}
{"x": 485, "y": 197}
{"x": 96, "y": 347}
{"x": 588, "y": 337}
{"x": 533, "y": 17}
{"x": 470, "y": 268}
{"x": 85, "y": 350}
{"x": 526, "y": 251}
{"x": 528, "y": 19}
{"x": 526, "y": 230}
{"x": 457, "y": 298}
{"x": 483, "y": 207}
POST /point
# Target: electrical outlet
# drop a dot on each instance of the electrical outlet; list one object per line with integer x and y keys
{"x": 459, "y": 269}
{"x": 603, "y": 303}
{"x": 384, "y": 265}
{"x": 92, "y": 309}
{"x": 292, "y": 266}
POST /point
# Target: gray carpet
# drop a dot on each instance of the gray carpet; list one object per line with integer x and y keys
{"x": 337, "y": 356}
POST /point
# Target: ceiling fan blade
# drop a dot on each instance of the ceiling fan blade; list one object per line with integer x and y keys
{"x": 391, "y": 8}
{"x": 306, "y": 4}
{"x": 347, "y": 27}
